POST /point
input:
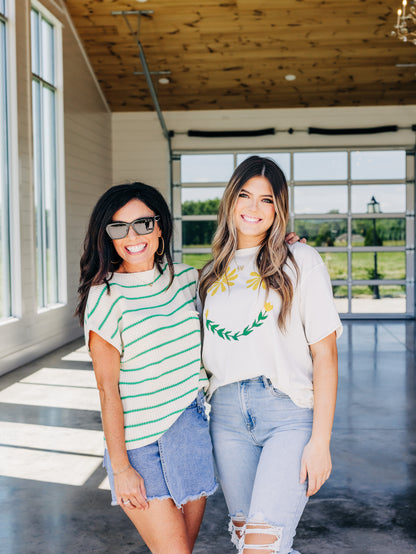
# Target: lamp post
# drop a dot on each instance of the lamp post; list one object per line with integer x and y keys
{"x": 373, "y": 207}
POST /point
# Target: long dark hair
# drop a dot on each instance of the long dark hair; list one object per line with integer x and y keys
{"x": 100, "y": 259}
{"x": 273, "y": 252}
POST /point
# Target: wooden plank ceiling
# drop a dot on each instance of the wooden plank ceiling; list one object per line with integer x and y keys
{"x": 236, "y": 53}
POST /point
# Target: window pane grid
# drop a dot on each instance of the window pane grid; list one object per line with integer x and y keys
{"x": 34, "y": 39}
{"x": 43, "y": 48}
{"x": 362, "y": 219}
{"x": 39, "y": 205}
{"x": 5, "y": 261}
{"x": 47, "y": 58}
{"x": 45, "y": 159}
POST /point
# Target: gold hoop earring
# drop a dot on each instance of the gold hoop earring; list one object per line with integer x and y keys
{"x": 163, "y": 247}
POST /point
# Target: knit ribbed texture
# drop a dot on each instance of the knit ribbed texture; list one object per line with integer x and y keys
{"x": 156, "y": 329}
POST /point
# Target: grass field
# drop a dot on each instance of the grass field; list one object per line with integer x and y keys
{"x": 196, "y": 260}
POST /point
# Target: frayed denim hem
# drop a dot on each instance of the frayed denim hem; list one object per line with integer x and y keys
{"x": 185, "y": 501}
{"x": 149, "y": 499}
{"x": 197, "y": 496}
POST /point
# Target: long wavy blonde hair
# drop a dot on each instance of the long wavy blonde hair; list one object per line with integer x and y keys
{"x": 273, "y": 252}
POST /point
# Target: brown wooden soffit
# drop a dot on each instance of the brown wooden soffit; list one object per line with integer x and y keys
{"x": 236, "y": 54}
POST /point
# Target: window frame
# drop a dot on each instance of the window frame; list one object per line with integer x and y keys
{"x": 57, "y": 130}
{"x": 11, "y": 205}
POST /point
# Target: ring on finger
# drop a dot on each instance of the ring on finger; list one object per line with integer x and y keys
{"x": 126, "y": 502}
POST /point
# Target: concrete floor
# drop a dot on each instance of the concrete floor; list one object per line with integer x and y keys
{"x": 53, "y": 496}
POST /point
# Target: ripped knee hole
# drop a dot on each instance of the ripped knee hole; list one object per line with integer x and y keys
{"x": 258, "y": 536}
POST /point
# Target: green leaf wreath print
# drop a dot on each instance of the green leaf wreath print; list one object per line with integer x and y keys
{"x": 226, "y": 334}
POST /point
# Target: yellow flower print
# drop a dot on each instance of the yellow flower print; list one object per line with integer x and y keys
{"x": 222, "y": 283}
{"x": 256, "y": 281}
{"x": 268, "y": 307}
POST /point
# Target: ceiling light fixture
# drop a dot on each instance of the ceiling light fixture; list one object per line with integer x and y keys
{"x": 164, "y": 80}
{"x": 405, "y": 28}
{"x": 290, "y": 77}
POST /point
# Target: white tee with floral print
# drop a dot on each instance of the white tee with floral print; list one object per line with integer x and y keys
{"x": 242, "y": 339}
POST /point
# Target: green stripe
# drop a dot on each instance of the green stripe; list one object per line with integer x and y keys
{"x": 160, "y": 390}
{"x": 144, "y": 298}
{"x": 162, "y": 344}
{"x": 160, "y": 305}
{"x": 195, "y": 318}
{"x": 96, "y": 304}
{"x": 143, "y": 284}
{"x": 155, "y": 434}
{"x": 124, "y": 287}
{"x": 134, "y": 286}
{"x": 151, "y": 317}
{"x": 153, "y": 421}
{"x": 157, "y": 406}
{"x": 158, "y": 376}
{"x": 163, "y": 360}
{"x": 117, "y": 329}
{"x": 147, "y": 436}
{"x": 147, "y": 319}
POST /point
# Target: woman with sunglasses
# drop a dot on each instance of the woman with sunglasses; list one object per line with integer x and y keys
{"x": 270, "y": 328}
{"x": 143, "y": 333}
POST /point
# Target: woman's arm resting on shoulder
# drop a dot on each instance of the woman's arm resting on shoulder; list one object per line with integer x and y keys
{"x": 129, "y": 485}
{"x": 316, "y": 460}
{"x": 291, "y": 238}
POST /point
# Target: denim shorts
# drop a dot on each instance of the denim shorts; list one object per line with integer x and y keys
{"x": 179, "y": 464}
{"x": 258, "y": 435}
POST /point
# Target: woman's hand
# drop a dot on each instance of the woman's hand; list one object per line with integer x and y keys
{"x": 291, "y": 238}
{"x": 130, "y": 490}
{"x": 316, "y": 466}
{"x": 316, "y": 459}
{"x": 128, "y": 484}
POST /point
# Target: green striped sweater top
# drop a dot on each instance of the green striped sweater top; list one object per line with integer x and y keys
{"x": 156, "y": 330}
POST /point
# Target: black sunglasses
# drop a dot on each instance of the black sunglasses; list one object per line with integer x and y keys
{"x": 142, "y": 226}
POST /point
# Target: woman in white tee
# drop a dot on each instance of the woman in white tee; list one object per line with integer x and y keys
{"x": 270, "y": 328}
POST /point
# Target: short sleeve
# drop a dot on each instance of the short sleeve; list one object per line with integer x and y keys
{"x": 319, "y": 314}
{"x": 187, "y": 281}
{"x": 194, "y": 277}
{"x": 102, "y": 316}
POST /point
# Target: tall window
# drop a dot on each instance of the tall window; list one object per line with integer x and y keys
{"x": 47, "y": 133}
{"x": 355, "y": 207}
{"x": 5, "y": 263}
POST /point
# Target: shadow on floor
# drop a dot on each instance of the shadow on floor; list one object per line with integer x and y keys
{"x": 53, "y": 491}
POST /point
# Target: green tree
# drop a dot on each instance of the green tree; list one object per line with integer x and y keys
{"x": 199, "y": 232}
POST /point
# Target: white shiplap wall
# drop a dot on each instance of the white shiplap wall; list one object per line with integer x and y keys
{"x": 88, "y": 172}
{"x": 140, "y": 152}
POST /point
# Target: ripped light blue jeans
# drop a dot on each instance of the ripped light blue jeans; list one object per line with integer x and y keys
{"x": 259, "y": 435}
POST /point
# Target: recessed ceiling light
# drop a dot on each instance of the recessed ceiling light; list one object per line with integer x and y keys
{"x": 163, "y": 80}
{"x": 141, "y": 0}
{"x": 290, "y": 77}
